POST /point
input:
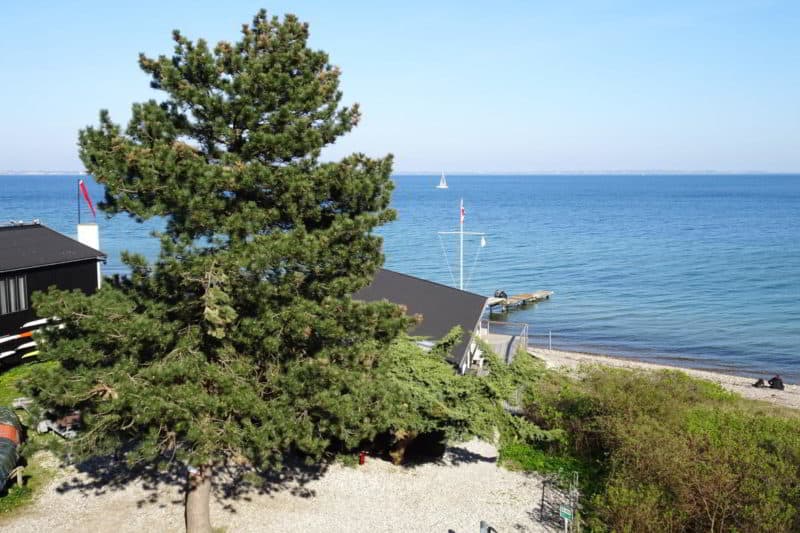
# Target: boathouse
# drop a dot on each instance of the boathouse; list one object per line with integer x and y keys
{"x": 33, "y": 258}
{"x": 441, "y": 308}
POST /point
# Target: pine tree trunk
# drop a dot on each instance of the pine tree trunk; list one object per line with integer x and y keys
{"x": 198, "y": 493}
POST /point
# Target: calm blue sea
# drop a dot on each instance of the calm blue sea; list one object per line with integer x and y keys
{"x": 699, "y": 271}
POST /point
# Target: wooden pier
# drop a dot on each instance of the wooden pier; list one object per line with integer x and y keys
{"x": 518, "y": 300}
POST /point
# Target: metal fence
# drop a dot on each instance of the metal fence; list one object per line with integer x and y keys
{"x": 545, "y": 341}
{"x": 553, "y": 340}
{"x": 505, "y": 338}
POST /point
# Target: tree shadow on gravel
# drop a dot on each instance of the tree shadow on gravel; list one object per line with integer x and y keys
{"x": 231, "y": 483}
{"x": 234, "y": 482}
{"x": 452, "y": 455}
{"x": 428, "y": 448}
{"x": 457, "y": 455}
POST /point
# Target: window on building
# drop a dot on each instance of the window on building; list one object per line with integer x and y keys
{"x": 13, "y": 294}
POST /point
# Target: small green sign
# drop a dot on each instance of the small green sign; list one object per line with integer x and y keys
{"x": 565, "y": 512}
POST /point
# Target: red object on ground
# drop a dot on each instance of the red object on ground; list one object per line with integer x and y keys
{"x": 362, "y": 458}
{"x": 7, "y": 431}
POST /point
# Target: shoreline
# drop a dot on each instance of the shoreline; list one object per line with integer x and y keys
{"x": 789, "y": 397}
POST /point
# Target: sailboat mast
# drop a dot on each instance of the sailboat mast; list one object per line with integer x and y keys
{"x": 461, "y": 248}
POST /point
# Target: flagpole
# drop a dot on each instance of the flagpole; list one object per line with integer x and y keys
{"x": 460, "y": 234}
{"x": 461, "y": 259}
{"x": 78, "y": 199}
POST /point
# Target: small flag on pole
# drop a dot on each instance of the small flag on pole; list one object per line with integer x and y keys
{"x": 463, "y": 212}
{"x": 86, "y": 197}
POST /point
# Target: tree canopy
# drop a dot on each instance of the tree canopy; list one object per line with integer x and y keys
{"x": 191, "y": 357}
{"x": 240, "y": 342}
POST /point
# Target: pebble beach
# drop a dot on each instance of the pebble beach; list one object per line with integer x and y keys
{"x": 453, "y": 494}
{"x": 572, "y": 361}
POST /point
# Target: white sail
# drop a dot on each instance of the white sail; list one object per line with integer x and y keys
{"x": 442, "y": 182}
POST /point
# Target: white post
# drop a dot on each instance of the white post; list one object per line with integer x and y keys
{"x": 461, "y": 251}
{"x": 89, "y": 234}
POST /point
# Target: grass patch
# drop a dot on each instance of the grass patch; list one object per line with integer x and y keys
{"x": 37, "y": 473}
{"x": 526, "y": 457}
{"x": 9, "y": 379}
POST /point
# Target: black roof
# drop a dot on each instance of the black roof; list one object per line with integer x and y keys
{"x": 27, "y": 246}
{"x": 441, "y": 307}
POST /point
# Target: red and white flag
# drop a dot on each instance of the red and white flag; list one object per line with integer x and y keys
{"x": 86, "y": 197}
{"x": 463, "y": 212}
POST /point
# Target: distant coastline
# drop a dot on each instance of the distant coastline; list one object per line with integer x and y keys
{"x": 42, "y": 172}
{"x": 602, "y": 173}
{"x": 651, "y": 172}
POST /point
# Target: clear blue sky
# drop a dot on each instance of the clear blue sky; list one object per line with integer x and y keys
{"x": 503, "y": 86}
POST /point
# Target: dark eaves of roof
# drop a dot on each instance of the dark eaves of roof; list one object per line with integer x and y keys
{"x": 442, "y": 307}
{"x": 29, "y": 246}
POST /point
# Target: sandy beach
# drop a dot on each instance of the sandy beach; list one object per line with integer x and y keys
{"x": 790, "y": 397}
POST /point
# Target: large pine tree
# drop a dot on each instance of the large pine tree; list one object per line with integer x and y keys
{"x": 240, "y": 342}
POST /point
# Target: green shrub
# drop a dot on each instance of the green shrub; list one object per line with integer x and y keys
{"x": 673, "y": 453}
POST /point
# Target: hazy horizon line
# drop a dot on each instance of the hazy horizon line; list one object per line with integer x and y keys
{"x": 643, "y": 172}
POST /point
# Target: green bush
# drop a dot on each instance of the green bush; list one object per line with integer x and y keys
{"x": 673, "y": 453}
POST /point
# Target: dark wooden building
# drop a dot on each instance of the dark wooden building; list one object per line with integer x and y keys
{"x": 34, "y": 257}
{"x": 440, "y": 306}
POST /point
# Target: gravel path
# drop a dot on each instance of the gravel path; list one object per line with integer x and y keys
{"x": 454, "y": 495}
{"x": 790, "y": 397}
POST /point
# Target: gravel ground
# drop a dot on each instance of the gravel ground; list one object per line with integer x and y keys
{"x": 454, "y": 495}
{"x": 789, "y": 397}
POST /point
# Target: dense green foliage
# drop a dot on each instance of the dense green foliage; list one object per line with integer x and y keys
{"x": 666, "y": 452}
{"x": 425, "y": 395}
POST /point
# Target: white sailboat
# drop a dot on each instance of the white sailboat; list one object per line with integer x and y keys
{"x": 442, "y": 182}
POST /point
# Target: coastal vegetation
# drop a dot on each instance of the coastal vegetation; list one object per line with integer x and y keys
{"x": 654, "y": 451}
{"x": 239, "y": 350}
{"x": 661, "y": 451}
